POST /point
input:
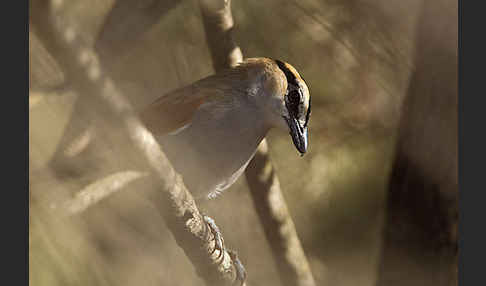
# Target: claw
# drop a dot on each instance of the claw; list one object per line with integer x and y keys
{"x": 240, "y": 269}
{"x": 217, "y": 236}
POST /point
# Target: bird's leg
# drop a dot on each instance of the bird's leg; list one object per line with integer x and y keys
{"x": 240, "y": 269}
{"x": 218, "y": 237}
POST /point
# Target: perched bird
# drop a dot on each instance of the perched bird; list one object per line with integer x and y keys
{"x": 211, "y": 129}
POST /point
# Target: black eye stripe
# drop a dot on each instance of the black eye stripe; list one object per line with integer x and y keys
{"x": 291, "y": 103}
{"x": 291, "y": 79}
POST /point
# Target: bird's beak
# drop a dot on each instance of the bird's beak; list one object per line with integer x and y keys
{"x": 299, "y": 134}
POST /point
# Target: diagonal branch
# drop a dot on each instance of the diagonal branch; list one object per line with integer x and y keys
{"x": 178, "y": 208}
{"x": 264, "y": 185}
{"x": 277, "y": 223}
{"x": 101, "y": 189}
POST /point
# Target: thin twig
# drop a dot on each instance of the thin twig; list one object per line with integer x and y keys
{"x": 99, "y": 190}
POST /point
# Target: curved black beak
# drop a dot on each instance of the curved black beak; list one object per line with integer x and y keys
{"x": 298, "y": 134}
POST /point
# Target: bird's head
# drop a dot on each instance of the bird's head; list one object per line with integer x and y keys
{"x": 290, "y": 104}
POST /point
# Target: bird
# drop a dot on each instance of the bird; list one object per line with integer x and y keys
{"x": 211, "y": 129}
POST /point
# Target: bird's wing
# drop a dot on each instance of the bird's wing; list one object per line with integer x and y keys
{"x": 172, "y": 111}
{"x": 176, "y": 109}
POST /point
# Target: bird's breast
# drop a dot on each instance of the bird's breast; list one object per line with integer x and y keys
{"x": 214, "y": 149}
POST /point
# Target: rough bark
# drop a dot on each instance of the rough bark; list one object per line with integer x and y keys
{"x": 262, "y": 180}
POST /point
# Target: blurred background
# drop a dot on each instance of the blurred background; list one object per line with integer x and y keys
{"x": 374, "y": 201}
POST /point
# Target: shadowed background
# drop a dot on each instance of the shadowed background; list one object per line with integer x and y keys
{"x": 378, "y": 71}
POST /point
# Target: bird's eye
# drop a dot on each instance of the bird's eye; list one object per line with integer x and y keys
{"x": 292, "y": 102}
{"x": 294, "y": 97}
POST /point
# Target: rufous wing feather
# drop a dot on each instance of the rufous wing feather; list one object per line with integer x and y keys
{"x": 173, "y": 111}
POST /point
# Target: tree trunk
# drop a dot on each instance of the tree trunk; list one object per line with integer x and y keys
{"x": 420, "y": 246}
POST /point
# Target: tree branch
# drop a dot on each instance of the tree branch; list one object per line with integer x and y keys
{"x": 218, "y": 25}
{"x": 277, "y": 223}
{"x": 101, "y": 189}
{"x": 81, "y": 66}
{"x": 262, "y": 180}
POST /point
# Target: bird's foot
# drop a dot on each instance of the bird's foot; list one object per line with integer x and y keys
{"x": 240, "y": 269}
{"x": 219, "y": 245}
{"x": 217, "y": 236}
